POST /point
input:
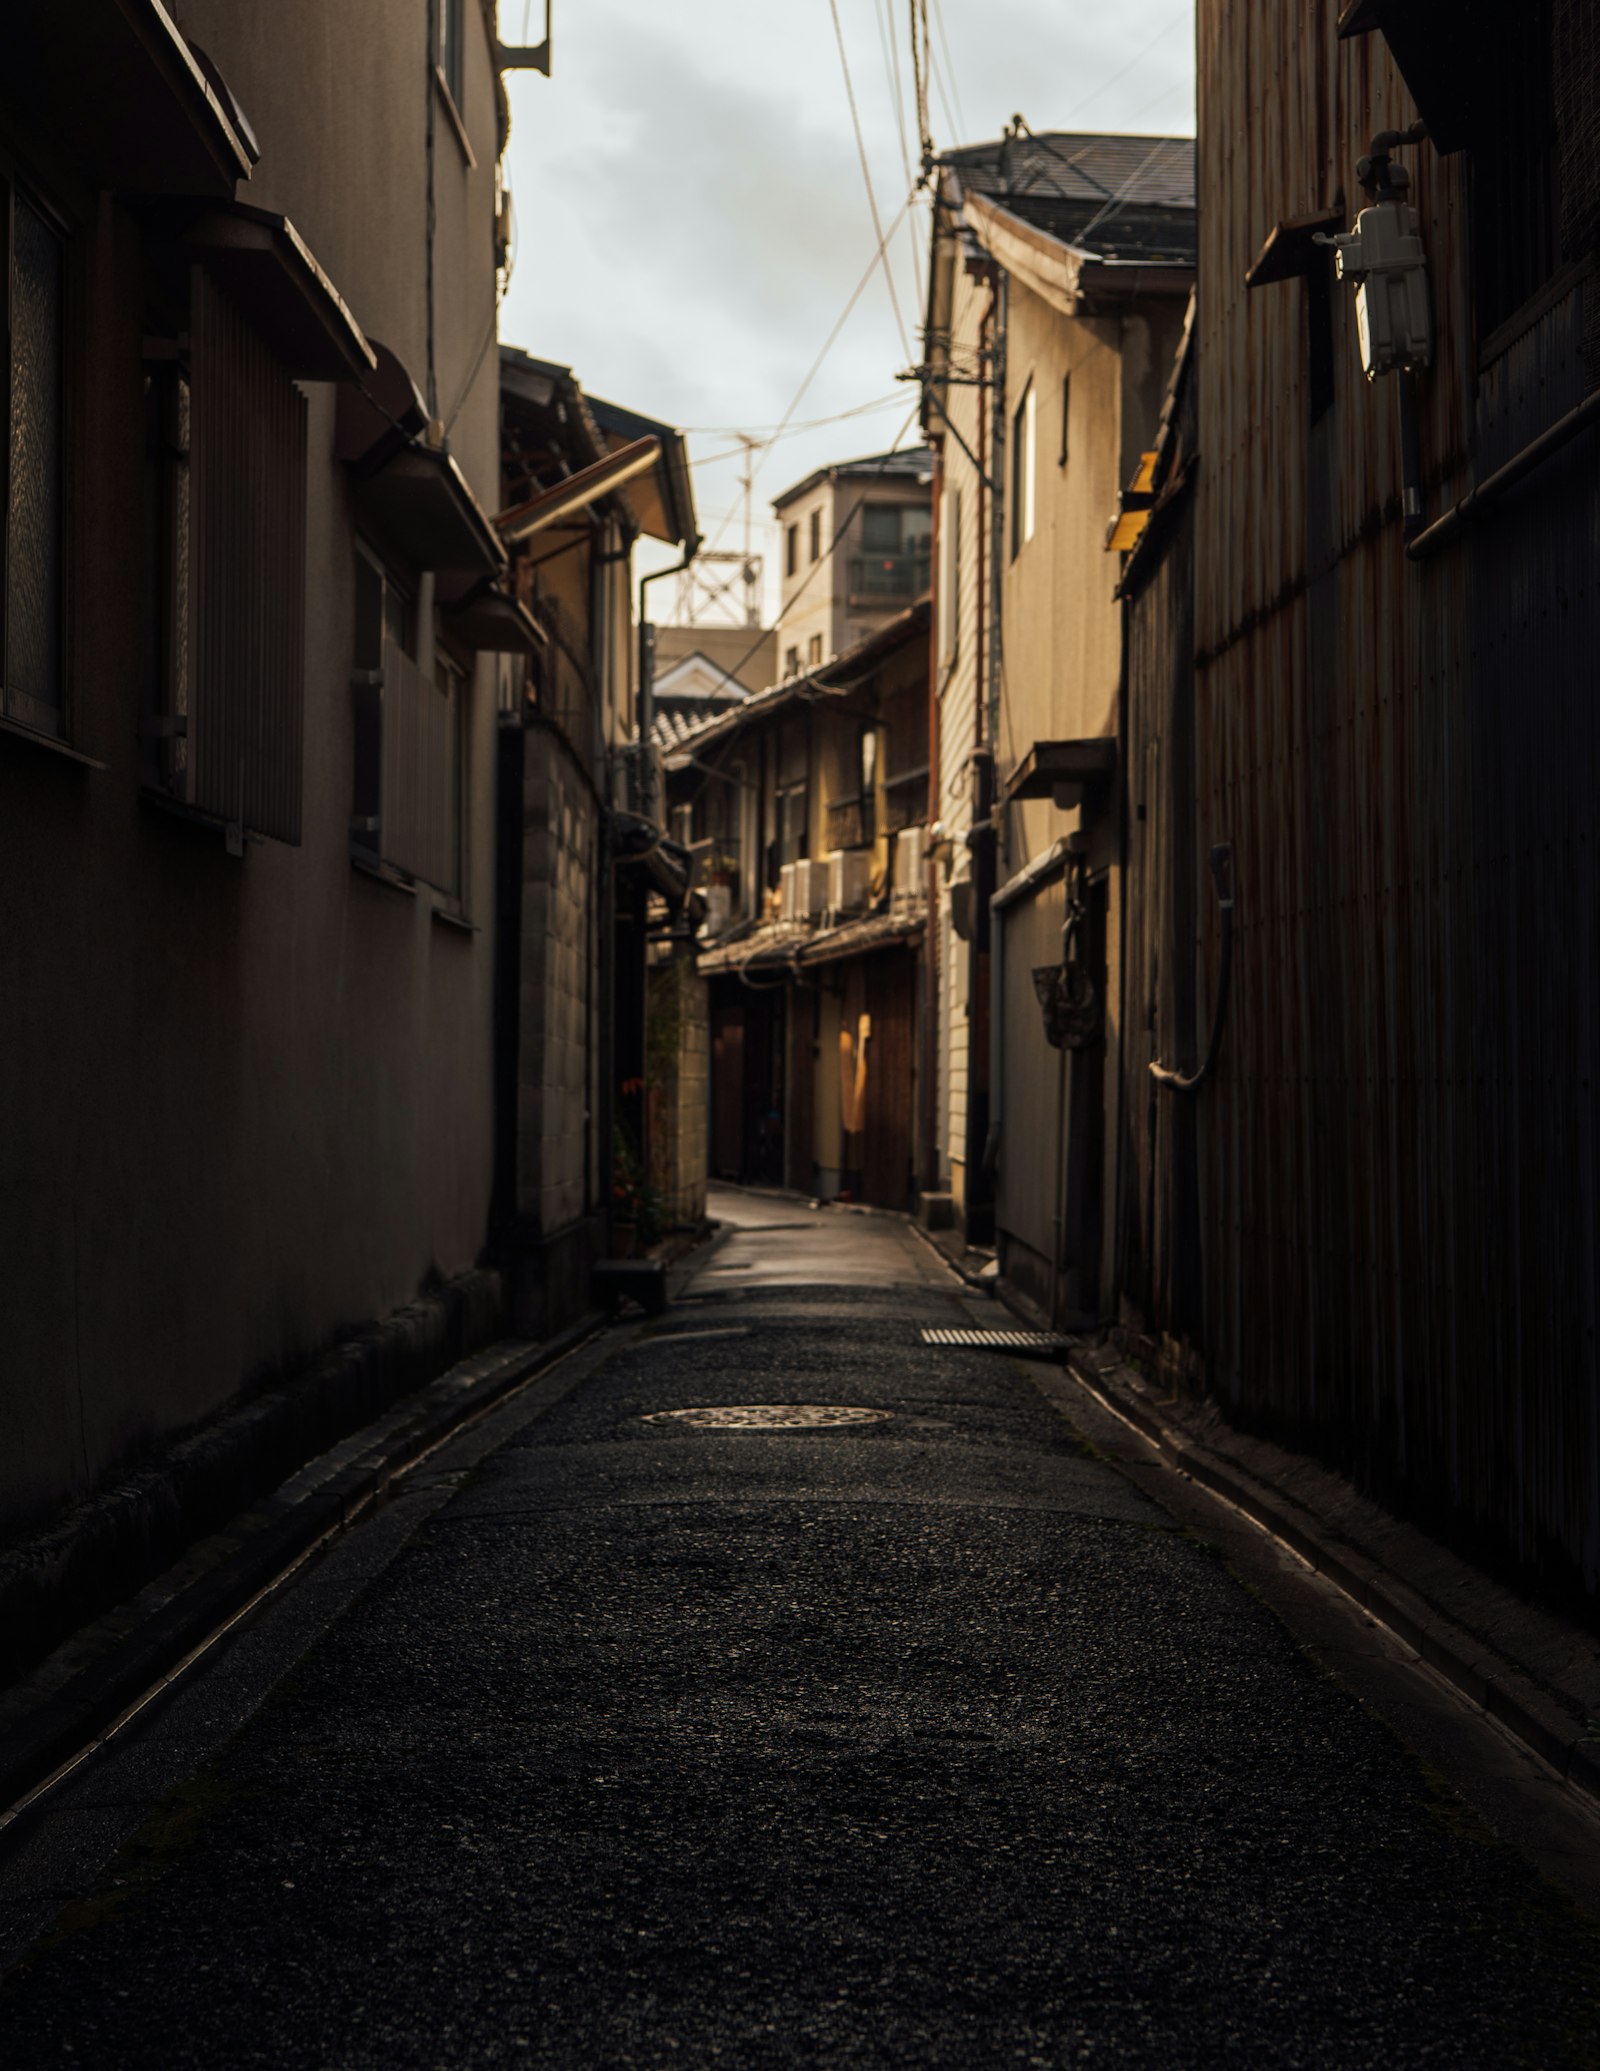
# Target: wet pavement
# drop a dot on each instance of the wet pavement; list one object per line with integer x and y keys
{"x": 628, "y": 1739}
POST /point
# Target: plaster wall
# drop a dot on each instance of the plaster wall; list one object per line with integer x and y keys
{"x": 247, "y": 1102}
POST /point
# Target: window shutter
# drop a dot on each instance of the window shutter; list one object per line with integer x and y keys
{"x": 248, "y": 499}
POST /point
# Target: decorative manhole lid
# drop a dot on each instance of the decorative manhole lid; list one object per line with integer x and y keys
{"x": 769, "y": 1416}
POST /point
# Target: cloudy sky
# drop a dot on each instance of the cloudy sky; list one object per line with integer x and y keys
{"x": 693, "y": 218}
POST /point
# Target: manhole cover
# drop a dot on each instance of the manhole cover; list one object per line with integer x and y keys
{"x": 769, "y": 1416}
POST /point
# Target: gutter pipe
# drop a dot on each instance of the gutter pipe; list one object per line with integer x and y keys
{"x": 1222, "y": 877}
{"x": 647, "y": 668}
{"x": 1490, "y": 490}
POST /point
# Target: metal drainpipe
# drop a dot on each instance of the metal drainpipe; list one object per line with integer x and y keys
{"x": 647, "y": 684}
{"x": 997, "y": 466}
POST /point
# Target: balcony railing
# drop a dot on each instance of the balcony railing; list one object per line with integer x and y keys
{"x": 889, "y": 578}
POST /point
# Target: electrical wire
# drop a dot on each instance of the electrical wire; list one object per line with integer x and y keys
{"x": 949, "y": 67}
{"x": 872, "y": 409}
{"x": 879, "y": 257}
{"x": 866, "y": 174}
{"x": 1184, "y": 13}
{"x": 825, "y": 556}
{"x": 883, "y": 15}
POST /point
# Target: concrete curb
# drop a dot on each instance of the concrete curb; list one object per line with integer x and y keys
{"x": 988, "y": 1288}
{"x": 49, "y": 1718}
{"x": 1551, "y": 1723}
{"x": 137, "y": 1527}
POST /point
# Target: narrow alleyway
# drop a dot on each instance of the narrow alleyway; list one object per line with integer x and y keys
{"x": 622, "y": 1739}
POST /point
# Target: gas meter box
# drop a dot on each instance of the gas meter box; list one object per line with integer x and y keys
{"x": 1385, "y": 259}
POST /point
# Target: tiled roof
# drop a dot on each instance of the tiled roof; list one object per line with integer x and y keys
{"x": 1075, "y": 167}
{"x": 915, "y": 461}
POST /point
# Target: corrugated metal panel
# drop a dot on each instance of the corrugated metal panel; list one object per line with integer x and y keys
{"x": 1399, "y": 1154}
{"x": 248, "y": 490}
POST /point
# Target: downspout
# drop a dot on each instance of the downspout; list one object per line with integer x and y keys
{"x": 1222, "y": 877}
{"x": 599, "y": 647}
{"x": 983, "y": 1084}
{"x": 930, "y": 869}
{"x": 647, "y": 675}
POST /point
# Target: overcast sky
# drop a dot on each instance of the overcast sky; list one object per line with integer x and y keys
{"x": 692, "y": 216}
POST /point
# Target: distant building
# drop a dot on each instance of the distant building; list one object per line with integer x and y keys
{"x": 703, "y": 670}
{"x": 854, "y": 553}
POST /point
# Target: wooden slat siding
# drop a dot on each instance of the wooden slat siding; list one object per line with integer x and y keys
{"x": 1401, "y": 1152}
{"x": 1158, "y": 1254}
{"x": 890, "y": 992}
{"x": 248, "y": 504}
{"x": 801, "y": 1119}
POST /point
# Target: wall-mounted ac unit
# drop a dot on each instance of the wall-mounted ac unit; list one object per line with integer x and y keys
{"x": 910, "y": 862}
{"x": 810, "y": 889}
{"x": 849, "y": 879}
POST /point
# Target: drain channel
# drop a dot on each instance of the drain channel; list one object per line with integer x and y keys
{"x": 1037, "y": 1342}
{"x": 769, "y": 1416}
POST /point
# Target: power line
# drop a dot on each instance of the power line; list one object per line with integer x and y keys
{"x": 949, "y": 66}
{"x": 880, "y": 256}
{"x": 883, "y": 15}
{"x": 866, "y": 174}
{"x": 827, "y": 554}
{"x": 1186, "y": 12}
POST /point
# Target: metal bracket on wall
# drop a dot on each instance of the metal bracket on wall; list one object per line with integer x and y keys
{"x": 527, "y": 57}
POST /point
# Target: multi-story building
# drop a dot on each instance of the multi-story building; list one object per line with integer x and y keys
{"x": 805, "y": 809}
{"x": 1061, "y": 269}
{"x": 855, "y": 540}
{"x": 260, "y": 658}
{"x": 1362, "y": 640}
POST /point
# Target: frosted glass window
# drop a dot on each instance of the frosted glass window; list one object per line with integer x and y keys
{"x": 33, "y": 485}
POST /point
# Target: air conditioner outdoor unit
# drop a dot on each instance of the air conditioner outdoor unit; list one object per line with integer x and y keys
{"x": 810, "y": 889}
{"x": 788, "y": 901}
{"x": 910, "y": 862}
{"x": 849, "y": 877}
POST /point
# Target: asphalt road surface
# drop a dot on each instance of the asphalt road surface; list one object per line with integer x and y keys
{"x": 624, "y": 1739}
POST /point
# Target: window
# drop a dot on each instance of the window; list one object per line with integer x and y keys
{"x": 880, "y": 528}
{"x": 791, "y": 550}
{"x": 816, "y": 534}
{"x": 1022, "y": 475}
{"x": 410, "y": 761}
{"x": 450, "y": 50}
{"x": 226, "y": 566}
{"x": 814, "y": 651}
{"x": 791, "y": 661}
{"x": 31, "y": 599}
{"x": 1514, "y": 172}
{"x": 1066, "y": 418}
{"x": 950, "y": 574}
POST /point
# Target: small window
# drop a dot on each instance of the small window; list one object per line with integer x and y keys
{"x": 880, "y": 528}
{"x": 1066, "y": 418}
{"x": 410, "y": 724}
{"x": 1022, "y": 471}
{"x": 226, "y": 573}
{"x": 31, "y": 600}
{"x": 814, "y": 651}
{"x": 1514, "y": 178}
{"x": 950, "y": 574}
{"x": 450, "y": 50}
{"x": 791, "y": 661}
{"x": 816, "y": 534}
{"x": 791, "y": 550}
